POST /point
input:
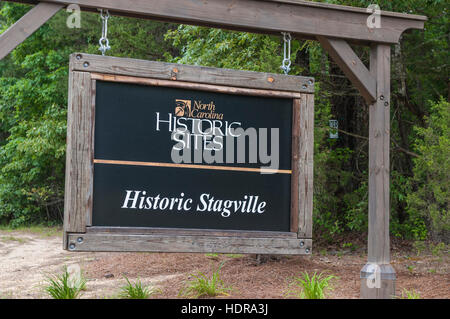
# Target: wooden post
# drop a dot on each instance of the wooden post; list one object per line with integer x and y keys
{"x": 79, "y": 155}
{"x": 378, "y": 276}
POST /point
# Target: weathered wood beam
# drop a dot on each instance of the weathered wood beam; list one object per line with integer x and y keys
{"x": 187, "y": 73}
{"x": 304, "y": 19}
{"x": 26, "y": 25}
{"x": 379, "y": 159}
{"x": 189, "y": 244}
{"x": 306, "y": 166}
{"x": 79, "y": 154}
{"x": 351, "y": 65}
{"x": 378, "y": 276}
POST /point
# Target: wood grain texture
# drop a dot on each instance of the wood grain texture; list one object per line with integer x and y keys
{"x": 188, "y": 244}
{"x": 306, "y": 166}
{"x": 79, "y": 156}
{"x": 93, "y": 99}
{"x": 195, "y": 86}
{"x": 337, "y": 7}
{"x": 295, "y": 211}
{"x": 351, "y": 65}
{"x": 26, "y": 26}
{"x": 188, "y": 232}
{"x": 379, "y": 183}
{"x": 379, "y": 162}
{"x": 304, "y": 19}
{"x": 188, "y": 73}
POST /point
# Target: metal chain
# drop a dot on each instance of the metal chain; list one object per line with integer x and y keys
{"x": 104, "y": 42}
{"x": 286, "y": 65}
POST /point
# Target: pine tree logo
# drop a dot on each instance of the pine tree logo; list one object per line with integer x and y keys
{"x": 182, "y": 107}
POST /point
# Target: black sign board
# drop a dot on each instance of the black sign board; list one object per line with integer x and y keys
{"x": 134, "y": 123}
{"x": 192, "y": 161}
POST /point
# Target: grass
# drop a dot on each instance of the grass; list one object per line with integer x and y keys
{"x": 409, "y": 294}
{"x": 310, "y": 287}
{"x": 136, "y": 290}
{"x": 202, "y": 285}
{"x": 41, "y": 230}
{"x": 63, "y": 287}
{"x": 6, "y": 295}
{"x": 410, "y": 268}
{"x": 438, "y": 250}
{"x": 420, "y": 246}
{"x": 234, "y": 255}
{"x": 12, "y": 238}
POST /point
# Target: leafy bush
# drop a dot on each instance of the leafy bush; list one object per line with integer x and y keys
{"x": 32, "y": 169}
{"x": 429, "y": 197}
{"x": 33, "y": 102}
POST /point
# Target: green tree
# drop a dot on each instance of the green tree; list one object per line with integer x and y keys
{"x": 33, "y": 103}
{"x": 429, "y": 197}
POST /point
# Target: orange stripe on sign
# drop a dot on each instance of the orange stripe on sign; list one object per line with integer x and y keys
{"x": 194, "y": 166}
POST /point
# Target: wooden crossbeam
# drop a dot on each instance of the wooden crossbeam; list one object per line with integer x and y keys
{"x": 351, "y": 65}
{"x": 304, "y": 19}
{"x": 26, "y": 25}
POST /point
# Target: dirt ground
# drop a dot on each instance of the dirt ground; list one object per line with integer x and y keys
{"x": 28, "y": 258}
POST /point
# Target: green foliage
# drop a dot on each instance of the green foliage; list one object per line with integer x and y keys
{"x": 310, "y": 287}
{"x": 201, "y": 285}
{"x": 228, "y": 49}
{"x": 136, "y": 290}
{"x": 61, "y": 287}
{"x": 33, "y": 103}
{"x": 439, "y": 249}
{"x": 31, "y": 166}
{"x": 420, "y": 246}
{"x": 410, "y": 294}
{"x": 430, "y": 196}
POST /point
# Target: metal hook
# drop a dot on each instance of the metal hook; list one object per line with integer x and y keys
{"x": 286, "y": 64}
{"x": 104, "y": 42}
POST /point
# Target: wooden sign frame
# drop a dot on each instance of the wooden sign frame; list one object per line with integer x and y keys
{"x": 80, "y": 235}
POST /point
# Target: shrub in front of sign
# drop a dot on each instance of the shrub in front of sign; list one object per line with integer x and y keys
{"x": 202, "y": 286}
{"x": 310, "y": 287}
{"x": 410, "y": 294}
{"x": 64, "y": 287}
{"x": 136, "y": 290}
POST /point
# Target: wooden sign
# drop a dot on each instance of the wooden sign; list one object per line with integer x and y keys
{"x": 177, "y": 158}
